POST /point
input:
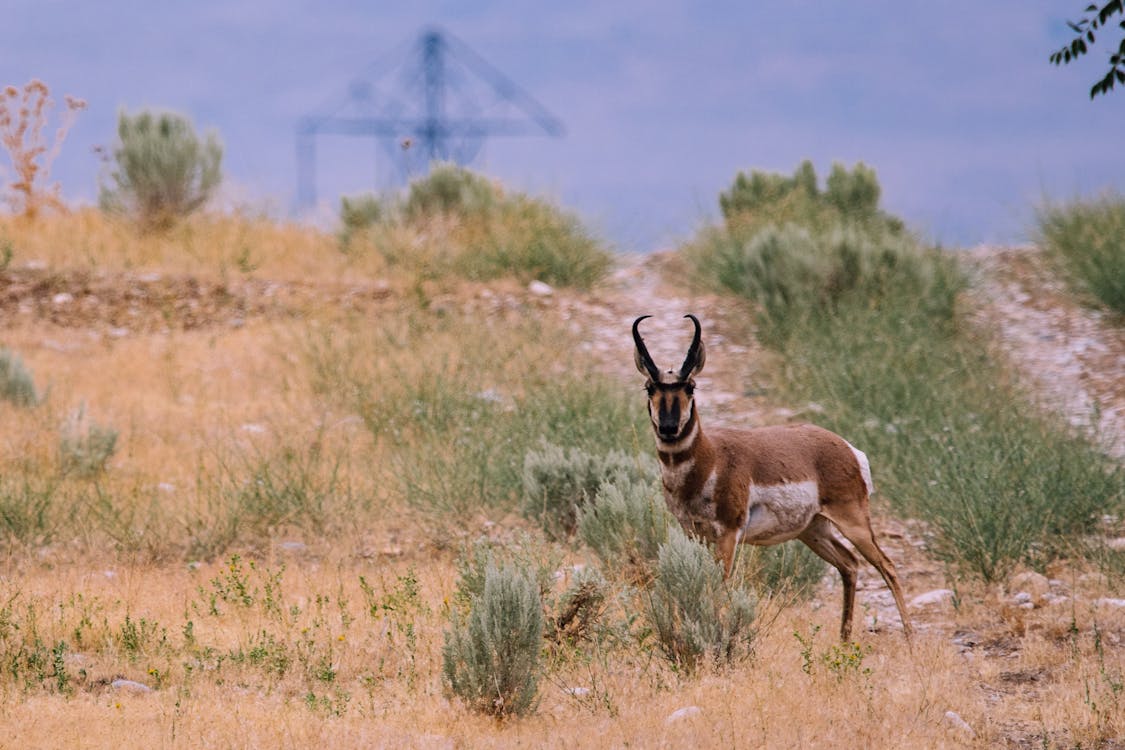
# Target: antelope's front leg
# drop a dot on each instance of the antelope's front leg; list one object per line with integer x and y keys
{"x": 724, "y": 550}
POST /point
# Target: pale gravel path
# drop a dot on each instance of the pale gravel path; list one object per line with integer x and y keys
{"x": 1073, "y": 356}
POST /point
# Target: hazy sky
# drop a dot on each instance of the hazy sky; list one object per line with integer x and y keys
{"x": 954, "y": 103}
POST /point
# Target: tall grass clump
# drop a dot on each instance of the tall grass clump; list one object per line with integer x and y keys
{"x": 457, "y": 404}
{"x": 789, "y": 570}
{"x": 697, "y": 618}
{"x": 870, "y": 328}
{"x": 162, "y": 170}
{"x": 16, "y": 382}
{"x": 491, "y": 654}
{"x": 558, "y": 481}
{"x": 1087, "y": 239}
{"x": 29, "y": 509}
{"x": 456, "y": 222}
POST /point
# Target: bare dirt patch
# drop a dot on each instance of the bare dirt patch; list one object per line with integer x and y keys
{"x": 1074, "y": 356}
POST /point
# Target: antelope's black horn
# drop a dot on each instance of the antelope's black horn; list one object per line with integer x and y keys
{"x": 693, "y": 362}
{"x": 641, "y": 355}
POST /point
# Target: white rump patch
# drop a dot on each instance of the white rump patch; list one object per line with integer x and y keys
{"x": 864, "y": 468}
{"x": 779, "y": 512}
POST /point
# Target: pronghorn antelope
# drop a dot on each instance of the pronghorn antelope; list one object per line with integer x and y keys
{"x": 761, "y": 486}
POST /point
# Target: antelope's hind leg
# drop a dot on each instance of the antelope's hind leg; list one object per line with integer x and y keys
{"x": 820, "y": 538}
{"x": 854, "y": 523}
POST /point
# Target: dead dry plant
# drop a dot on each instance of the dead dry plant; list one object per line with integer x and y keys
{"x": 24, "y": 114}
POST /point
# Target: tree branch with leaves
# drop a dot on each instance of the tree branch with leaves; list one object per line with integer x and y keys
{"x": 1086, "y": 30}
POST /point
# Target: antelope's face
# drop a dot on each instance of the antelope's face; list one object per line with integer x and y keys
{"x": 671, "y": 395}
{"x": 671, "y": 405}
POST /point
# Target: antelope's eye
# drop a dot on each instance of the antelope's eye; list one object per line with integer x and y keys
{"x": 650, "y": 389}
{"x": 689, "y": 389}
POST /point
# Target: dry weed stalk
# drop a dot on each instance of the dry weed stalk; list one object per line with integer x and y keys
{"x": 23, "y": 118}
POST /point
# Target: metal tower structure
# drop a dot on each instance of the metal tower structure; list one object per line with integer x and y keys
{"x": 440, "y": 104}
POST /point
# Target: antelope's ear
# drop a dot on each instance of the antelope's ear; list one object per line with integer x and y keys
{"x": 697, "y": 353}
{"x": 641, "y": 358}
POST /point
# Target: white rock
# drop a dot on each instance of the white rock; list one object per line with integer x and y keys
{"x": 683, "y": 713}
{"x": 62, "y": 298}
{"x": 292, "y": 546}
{"x": 540, "y": 288}
{"x": 254, "y": 429}
{"x": 129, "y": 686}
{"x": 1035, "y": 584}
{"x": 1105, "y": 601}
{"x": 937, "y": 596}
{"x": 577, "y": 692}
{"x": 1117, "y": 544}
{"x": 955, "y": 721}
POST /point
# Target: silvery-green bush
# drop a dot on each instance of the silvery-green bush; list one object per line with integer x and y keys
{"x": 697, "y": 617}
{"x": 491, "y": 655}
{"x": 557, "y": 481}
{"x": 16, "y": 383}
{"x": 625, "y": 525}
{"x": 163, "y": 170}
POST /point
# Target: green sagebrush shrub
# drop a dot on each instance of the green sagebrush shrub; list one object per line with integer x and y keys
{"x": 557, "y": 481}
{"x": 625, "y": 525}
{"x": 16, "y": 383}
{"x": 796, "y": 274}
{"x": 477, "y": 230}
{"x": 491, "y": 654}
{"x": 450, "y": 189}
{"x": 696, "y": 616}
{"x": 162, "y": 170}
{"x": 850, "y": 197}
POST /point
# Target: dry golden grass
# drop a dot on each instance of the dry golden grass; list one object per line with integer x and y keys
{"x": 335, "y": 636}
{"x": 386, "y": 690}
{"x": 206, "y": 245}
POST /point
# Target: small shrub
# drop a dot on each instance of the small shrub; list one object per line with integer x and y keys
{"x": 697, "y": 618}
{"x": 163, "y": 170}
{"x": 1087, "y": 238}
{"x": 529, "y": 238}
{"x": 456, "y": 222}
{"x": 557, "y": 481}
{"x": 526, "y": 555}
{"x": 625, "y": 525}
{"x": 580, "y": 607}
{"x": 850, "y": 198}
{"x": 491, "y": 654}
{"x": 358, "y": 214}
{"x": 85, "y": 449}
{"x": 449, "y": 190}
{"x": 16, "y": 382}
